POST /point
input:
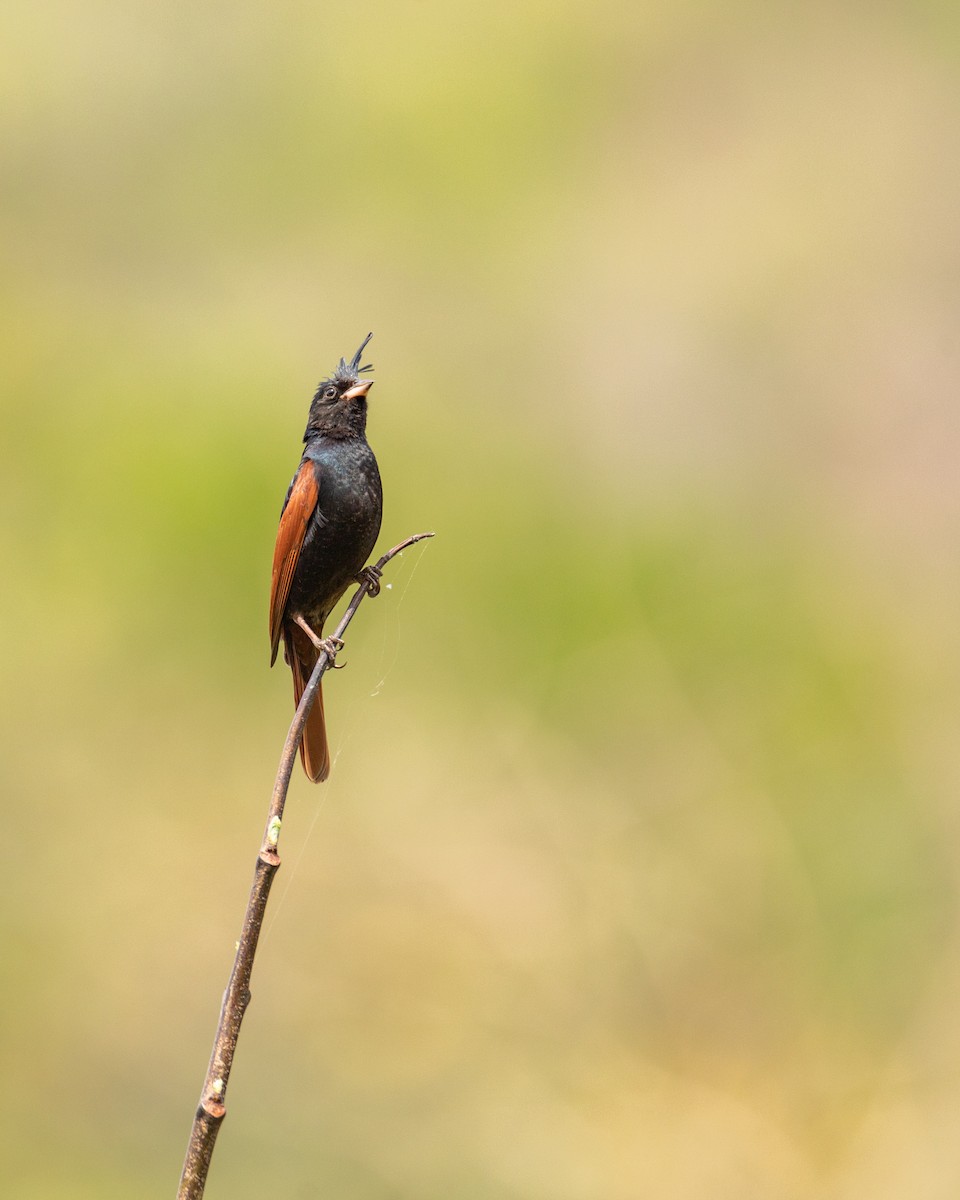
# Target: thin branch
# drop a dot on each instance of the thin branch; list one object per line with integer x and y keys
{"x": 212, "y": 1107}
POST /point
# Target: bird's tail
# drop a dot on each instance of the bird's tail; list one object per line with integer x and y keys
{"x": 314, "y": 751}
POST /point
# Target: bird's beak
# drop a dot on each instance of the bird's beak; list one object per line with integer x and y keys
{"x": 358, "y": 390}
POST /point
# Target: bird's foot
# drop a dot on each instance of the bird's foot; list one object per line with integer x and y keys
{"x": 328, "y": 645}
{"x": 371, "y": 577}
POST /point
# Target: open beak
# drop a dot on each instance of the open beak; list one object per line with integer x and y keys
{"x": 358, "y": 390}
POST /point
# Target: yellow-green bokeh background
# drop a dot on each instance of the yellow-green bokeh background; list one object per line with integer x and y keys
{"x": 637, "y": 872}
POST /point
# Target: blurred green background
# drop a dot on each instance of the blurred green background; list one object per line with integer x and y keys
{"x": 637, "y": 872}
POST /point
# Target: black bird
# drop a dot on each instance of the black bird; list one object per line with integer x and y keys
{"x": 328, "y": 526}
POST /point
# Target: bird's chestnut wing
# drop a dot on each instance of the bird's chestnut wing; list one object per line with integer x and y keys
{"x": 299, "y": 508}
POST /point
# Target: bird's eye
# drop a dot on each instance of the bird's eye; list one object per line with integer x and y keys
{"x": 330, "y": 393}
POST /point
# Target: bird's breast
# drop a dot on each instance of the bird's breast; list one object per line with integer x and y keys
{"x": 344, "y": 526}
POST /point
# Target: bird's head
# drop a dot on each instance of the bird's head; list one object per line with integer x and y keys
{"x": 339, "y": 407}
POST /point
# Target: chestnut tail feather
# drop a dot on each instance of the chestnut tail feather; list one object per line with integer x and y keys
{"x": 314, "y": 750}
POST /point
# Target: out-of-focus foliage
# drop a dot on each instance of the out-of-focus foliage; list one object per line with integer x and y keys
{"x": 636, "y": 874}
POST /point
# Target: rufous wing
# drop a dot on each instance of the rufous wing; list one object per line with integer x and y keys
{"x": 300, "y": 506}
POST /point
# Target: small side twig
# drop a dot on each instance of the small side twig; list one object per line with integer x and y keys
{"x": 212, "y": 1108}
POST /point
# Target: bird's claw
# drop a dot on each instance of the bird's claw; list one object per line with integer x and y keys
{"x": 330, "y": 647}
{"x": 371, "y": 577}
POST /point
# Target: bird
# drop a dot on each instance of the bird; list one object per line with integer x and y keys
{"x": 329, "y": 524}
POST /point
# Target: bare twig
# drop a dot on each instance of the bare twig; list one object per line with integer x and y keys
{"x": 212, "y": 1108}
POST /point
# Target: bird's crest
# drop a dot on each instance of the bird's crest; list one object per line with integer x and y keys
{"x": 349, "y": 372}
